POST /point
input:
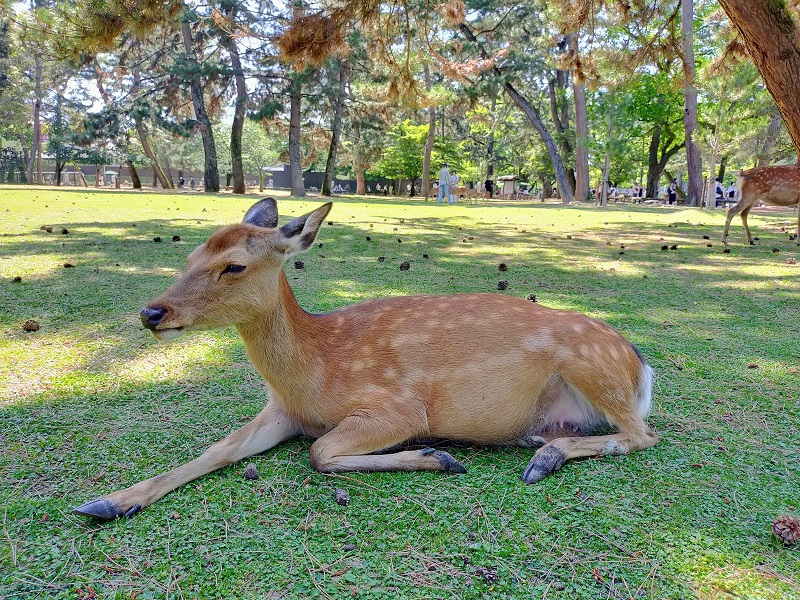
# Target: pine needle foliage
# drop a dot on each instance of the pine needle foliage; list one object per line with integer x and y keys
{"x": 89, "y": 27}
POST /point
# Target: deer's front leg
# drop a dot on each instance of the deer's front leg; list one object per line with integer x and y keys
{"x": 270, "y": 427}
{"x": 349, "y": 445}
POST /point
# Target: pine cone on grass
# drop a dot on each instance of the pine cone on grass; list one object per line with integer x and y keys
{"x": 251, "y": 472}
{"x": 787, "y": 529}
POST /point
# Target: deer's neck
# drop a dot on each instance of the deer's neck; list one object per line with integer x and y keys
{"x": 280, "y": 343}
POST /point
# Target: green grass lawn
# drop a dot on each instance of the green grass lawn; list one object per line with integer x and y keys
{"x": 91, "y": 403}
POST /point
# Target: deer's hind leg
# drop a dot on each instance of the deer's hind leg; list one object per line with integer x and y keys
{"x": 746, "y": 212}
{"x": 732, "y": 212}
{"x": 552, "y": 456}
{"x": 349, "y": 446}
{"x": 613, "y": 402}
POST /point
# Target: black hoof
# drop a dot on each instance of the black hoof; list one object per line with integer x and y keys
{"x": 545, "y": 461}
{"x": 102, "y": 509}
{"x": 449, "y": 463}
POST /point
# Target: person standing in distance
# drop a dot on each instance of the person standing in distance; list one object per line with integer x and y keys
{"x": 444, "y": 183}
{"x": 454, "y": 187}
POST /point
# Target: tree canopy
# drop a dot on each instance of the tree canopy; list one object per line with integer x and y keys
{"x": 542, "y": 91}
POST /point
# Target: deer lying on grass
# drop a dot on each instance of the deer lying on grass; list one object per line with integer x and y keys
{"x": 776, "y": 186}
{"x": 478, "y": 368}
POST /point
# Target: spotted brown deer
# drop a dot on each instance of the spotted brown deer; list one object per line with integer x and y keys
{"x": 776, "y": 186}
{"x": 370, "y": 379}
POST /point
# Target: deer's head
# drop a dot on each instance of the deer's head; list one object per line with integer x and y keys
{"x": 235, "y": 275}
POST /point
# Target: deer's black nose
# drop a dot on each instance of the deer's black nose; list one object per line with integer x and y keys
{"x": 151, "y": 317}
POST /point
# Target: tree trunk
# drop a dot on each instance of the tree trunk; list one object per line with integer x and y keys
{"x": 23, "y": 170}
{"x": 560, "y": 114}
{"x": 80, "y": 173}
{"x": 581, "y": 131}
{"x": 770, "y": 36}
{"x": 336, "y": 131}
{"x": 711, "y": 185}
{"x": 211, "y": 170}
{"x": 358, "y": 167}
{"x": 555, "y": 158}
{"x": 653, "y": 173}
{"x": 535, "y": 119}
{"x": 237, "y": 126}
{"x": 137, "y": 183}
{"x": 426, "y": 159}
{"x": 168, "y": 173}
{"x": 694, "y": 161}
{"x": 765, "y": 155}
{"x": 36, "y": 143}
{"x": 607, "y": 164}
{"x": 295, "y": 160}
{"x": 667, "y": 152}
{"x": 158, "y": 172}
{"x": 490, "y": 142}
{"x": 361, "y": 184}
{"x": 39, "y": 175}
{"x": 547, "y": 190}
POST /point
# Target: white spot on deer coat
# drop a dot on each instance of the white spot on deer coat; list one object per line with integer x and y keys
{"x": 540, "y": 340}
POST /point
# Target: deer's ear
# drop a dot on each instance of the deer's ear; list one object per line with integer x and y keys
{"x": 263, "y": 213}
{"x": 301, "y": 232}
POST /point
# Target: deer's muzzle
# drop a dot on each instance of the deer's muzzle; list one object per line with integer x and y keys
{"x": 152, "y": 316}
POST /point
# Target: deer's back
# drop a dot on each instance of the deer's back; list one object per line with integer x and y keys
{"x": 776, "y": 185}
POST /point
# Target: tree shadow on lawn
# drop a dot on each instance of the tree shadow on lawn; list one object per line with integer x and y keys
{"x": 114, "y": 277}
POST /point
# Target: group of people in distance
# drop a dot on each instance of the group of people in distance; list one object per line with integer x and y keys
{"x": 636, "y": 192}
{"x": 670, "y": 192}
{"x": 386, "y": 190}
{"x": 446, "y": 181}
{"x": 182, "y": 183}
{"x": 338, "y": 188}
{"x": 721, "y": 195}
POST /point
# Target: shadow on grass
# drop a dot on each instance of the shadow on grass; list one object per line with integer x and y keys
{"x": 118, "y": 268}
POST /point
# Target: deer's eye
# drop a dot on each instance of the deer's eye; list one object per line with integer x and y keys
{"x": 233, "y": 269}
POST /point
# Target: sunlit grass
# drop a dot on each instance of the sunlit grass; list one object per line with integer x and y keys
{"x": 91, "y": 403}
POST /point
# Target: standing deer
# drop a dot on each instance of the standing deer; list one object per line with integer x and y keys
{"x": 776, "y": 186}
{"x": 477, "y": 368}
